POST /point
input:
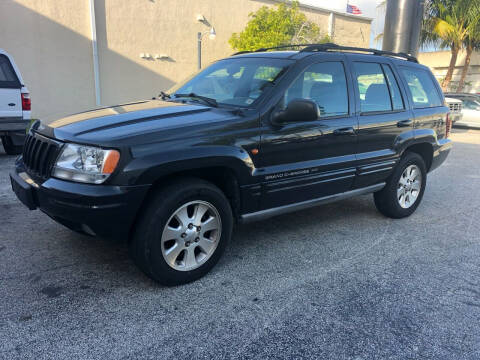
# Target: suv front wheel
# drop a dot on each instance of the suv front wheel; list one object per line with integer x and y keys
{"x": 183, "y": 232}
{"x": 404, "y": 189}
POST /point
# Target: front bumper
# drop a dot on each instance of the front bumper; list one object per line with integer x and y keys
{"x": 440, "y": 152}
{"x": 101, "y": 210}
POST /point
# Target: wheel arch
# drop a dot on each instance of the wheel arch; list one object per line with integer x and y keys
{"x": 224, "y": 177}
{"x": 425, "y": 150}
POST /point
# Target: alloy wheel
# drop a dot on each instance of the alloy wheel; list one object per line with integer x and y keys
{"x": 409, "y": 186}
{"x": 191, "y": 235}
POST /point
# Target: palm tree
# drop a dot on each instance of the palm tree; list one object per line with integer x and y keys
{"x": 447, "y": 24}
{"x": 472, "y": 42}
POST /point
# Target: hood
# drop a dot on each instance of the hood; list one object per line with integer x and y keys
{"x": 121, "y": 121}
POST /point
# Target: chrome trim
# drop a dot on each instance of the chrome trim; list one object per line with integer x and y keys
{"x": 265, "y": 214}
{"x": 375, "y": 171}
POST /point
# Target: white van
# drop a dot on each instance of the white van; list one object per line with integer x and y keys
{"x": 15, "y": 105}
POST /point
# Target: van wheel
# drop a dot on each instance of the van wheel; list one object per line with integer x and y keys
{"x": 9, "y": 146}
{"x": 404, "y": 189}
{"x": 182, "y": 232}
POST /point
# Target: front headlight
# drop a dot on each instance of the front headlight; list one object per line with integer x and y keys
{"x": 85, "y": 164}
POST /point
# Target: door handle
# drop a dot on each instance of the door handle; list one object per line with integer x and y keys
{"x": 344, "y": 131}
{"x": 405, "y": 123}
{"x": 11, "y": 104}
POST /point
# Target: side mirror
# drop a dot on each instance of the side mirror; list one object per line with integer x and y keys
{"x": 298, "y": 110}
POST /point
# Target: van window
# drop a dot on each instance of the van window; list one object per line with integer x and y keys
{"x": 372, "y": 87}
{"x": 422, "y": 89}
{"x": 8, "y": 78}
{"x": 324, "y": 83}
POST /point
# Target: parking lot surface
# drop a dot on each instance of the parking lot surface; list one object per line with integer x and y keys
{"x": 334, "y": 282}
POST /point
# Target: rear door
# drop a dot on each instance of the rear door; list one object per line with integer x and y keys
{"x": 10, "y": 90}
{"x": 383, "y": 118}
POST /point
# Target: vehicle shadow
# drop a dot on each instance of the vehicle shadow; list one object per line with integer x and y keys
{"x": 254, "y": 243}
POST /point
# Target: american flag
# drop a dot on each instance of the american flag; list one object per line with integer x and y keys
{"x": 352, "y": 9}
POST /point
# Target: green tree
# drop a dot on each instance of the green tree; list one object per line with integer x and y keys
{"x": 283, "y": 25}
{"x": 447, "y": 24}
{"x": 471, "y": 43}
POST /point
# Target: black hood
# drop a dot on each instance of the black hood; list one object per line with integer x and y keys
{"x": 127, "y": 120}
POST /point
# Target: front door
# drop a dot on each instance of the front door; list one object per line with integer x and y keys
{"x": 304, "y": 160}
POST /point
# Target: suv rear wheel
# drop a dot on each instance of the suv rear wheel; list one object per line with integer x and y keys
{"x": 404, "y": 189}
{"x": 10, "y": 147}
{"x": 183, "y": 232}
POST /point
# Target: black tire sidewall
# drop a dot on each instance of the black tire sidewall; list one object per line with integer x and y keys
{"x": 386, "y": 199}
{"x": 158, "y": 268}
{"x": 9, "y": 147}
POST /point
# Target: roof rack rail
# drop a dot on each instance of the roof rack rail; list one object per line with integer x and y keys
{"x": 332, "y": 46}
{"x": 270, "y": 48}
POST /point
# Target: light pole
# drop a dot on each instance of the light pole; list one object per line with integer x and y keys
{"x": 211, "y": 34}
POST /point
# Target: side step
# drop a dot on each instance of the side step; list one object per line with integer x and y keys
{"x": 265, "y": 214}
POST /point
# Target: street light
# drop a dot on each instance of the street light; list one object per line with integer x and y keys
{"x": 212, "y": 35}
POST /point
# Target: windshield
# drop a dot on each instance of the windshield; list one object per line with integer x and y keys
{"x": 236, "y": 82}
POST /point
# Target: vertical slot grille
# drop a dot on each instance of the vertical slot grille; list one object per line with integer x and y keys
{"x": 39, "y": 155}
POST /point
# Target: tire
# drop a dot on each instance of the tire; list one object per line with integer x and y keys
{"x": 397, "y": 200}
{"x": 9, "y": 146}
{"x": 151, "y": 243}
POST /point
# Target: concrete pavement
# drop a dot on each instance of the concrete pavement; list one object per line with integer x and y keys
{"x": 334, "y": 282}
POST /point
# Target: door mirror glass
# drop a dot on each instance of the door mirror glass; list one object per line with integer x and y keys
{"x": 298, "y": 110}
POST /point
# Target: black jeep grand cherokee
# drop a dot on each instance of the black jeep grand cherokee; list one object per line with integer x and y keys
{"x": 252, "y": 136}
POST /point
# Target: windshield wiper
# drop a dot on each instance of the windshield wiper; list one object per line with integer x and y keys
{"x": 206, "y": 100}
{"x": 163, "y": 95}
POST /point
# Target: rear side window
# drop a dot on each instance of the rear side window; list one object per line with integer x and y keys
{"x": 8, "y": 78}
{"x": 372, "y": 87}
{"x": 324, "y": 83}
{"x": 422, "y": 89}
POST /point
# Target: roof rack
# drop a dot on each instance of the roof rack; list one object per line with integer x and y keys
{"x": 271, "y": 48}
{"x": 331, "y": 46}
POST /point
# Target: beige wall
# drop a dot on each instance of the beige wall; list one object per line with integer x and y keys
{"x": 53, "y": 49}
{"x": 351, "y": 31}
{"x": 438, "y": 62}
{"x": 51, "y": 46}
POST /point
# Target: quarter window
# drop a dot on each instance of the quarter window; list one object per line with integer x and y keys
{"x": 421, "y": 87}
{"x": 397, "y": 100}
{"x": 324, "y": 83}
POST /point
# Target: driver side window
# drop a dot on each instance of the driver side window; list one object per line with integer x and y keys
{"x": 324, "y": 83}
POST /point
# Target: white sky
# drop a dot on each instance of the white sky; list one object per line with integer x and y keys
{"x": 368, "y": 8}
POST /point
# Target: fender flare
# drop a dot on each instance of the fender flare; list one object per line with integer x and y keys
{"x": 149, "y": 169}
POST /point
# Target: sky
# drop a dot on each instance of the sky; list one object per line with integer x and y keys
{"x": 369, "y": 8}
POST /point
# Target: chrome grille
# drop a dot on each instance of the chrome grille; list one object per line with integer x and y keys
{"x": 455, "y": 107}
{"x": 39, "y": 155}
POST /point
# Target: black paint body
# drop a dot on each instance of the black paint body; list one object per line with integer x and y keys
{"x": 296, "y": 162}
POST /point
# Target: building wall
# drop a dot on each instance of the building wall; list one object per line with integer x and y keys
{"x": 53, "y": 46}
{"x": 50, "y": 45}
{"x": 438, "y": 62}
{"x": 352, "y": 32}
